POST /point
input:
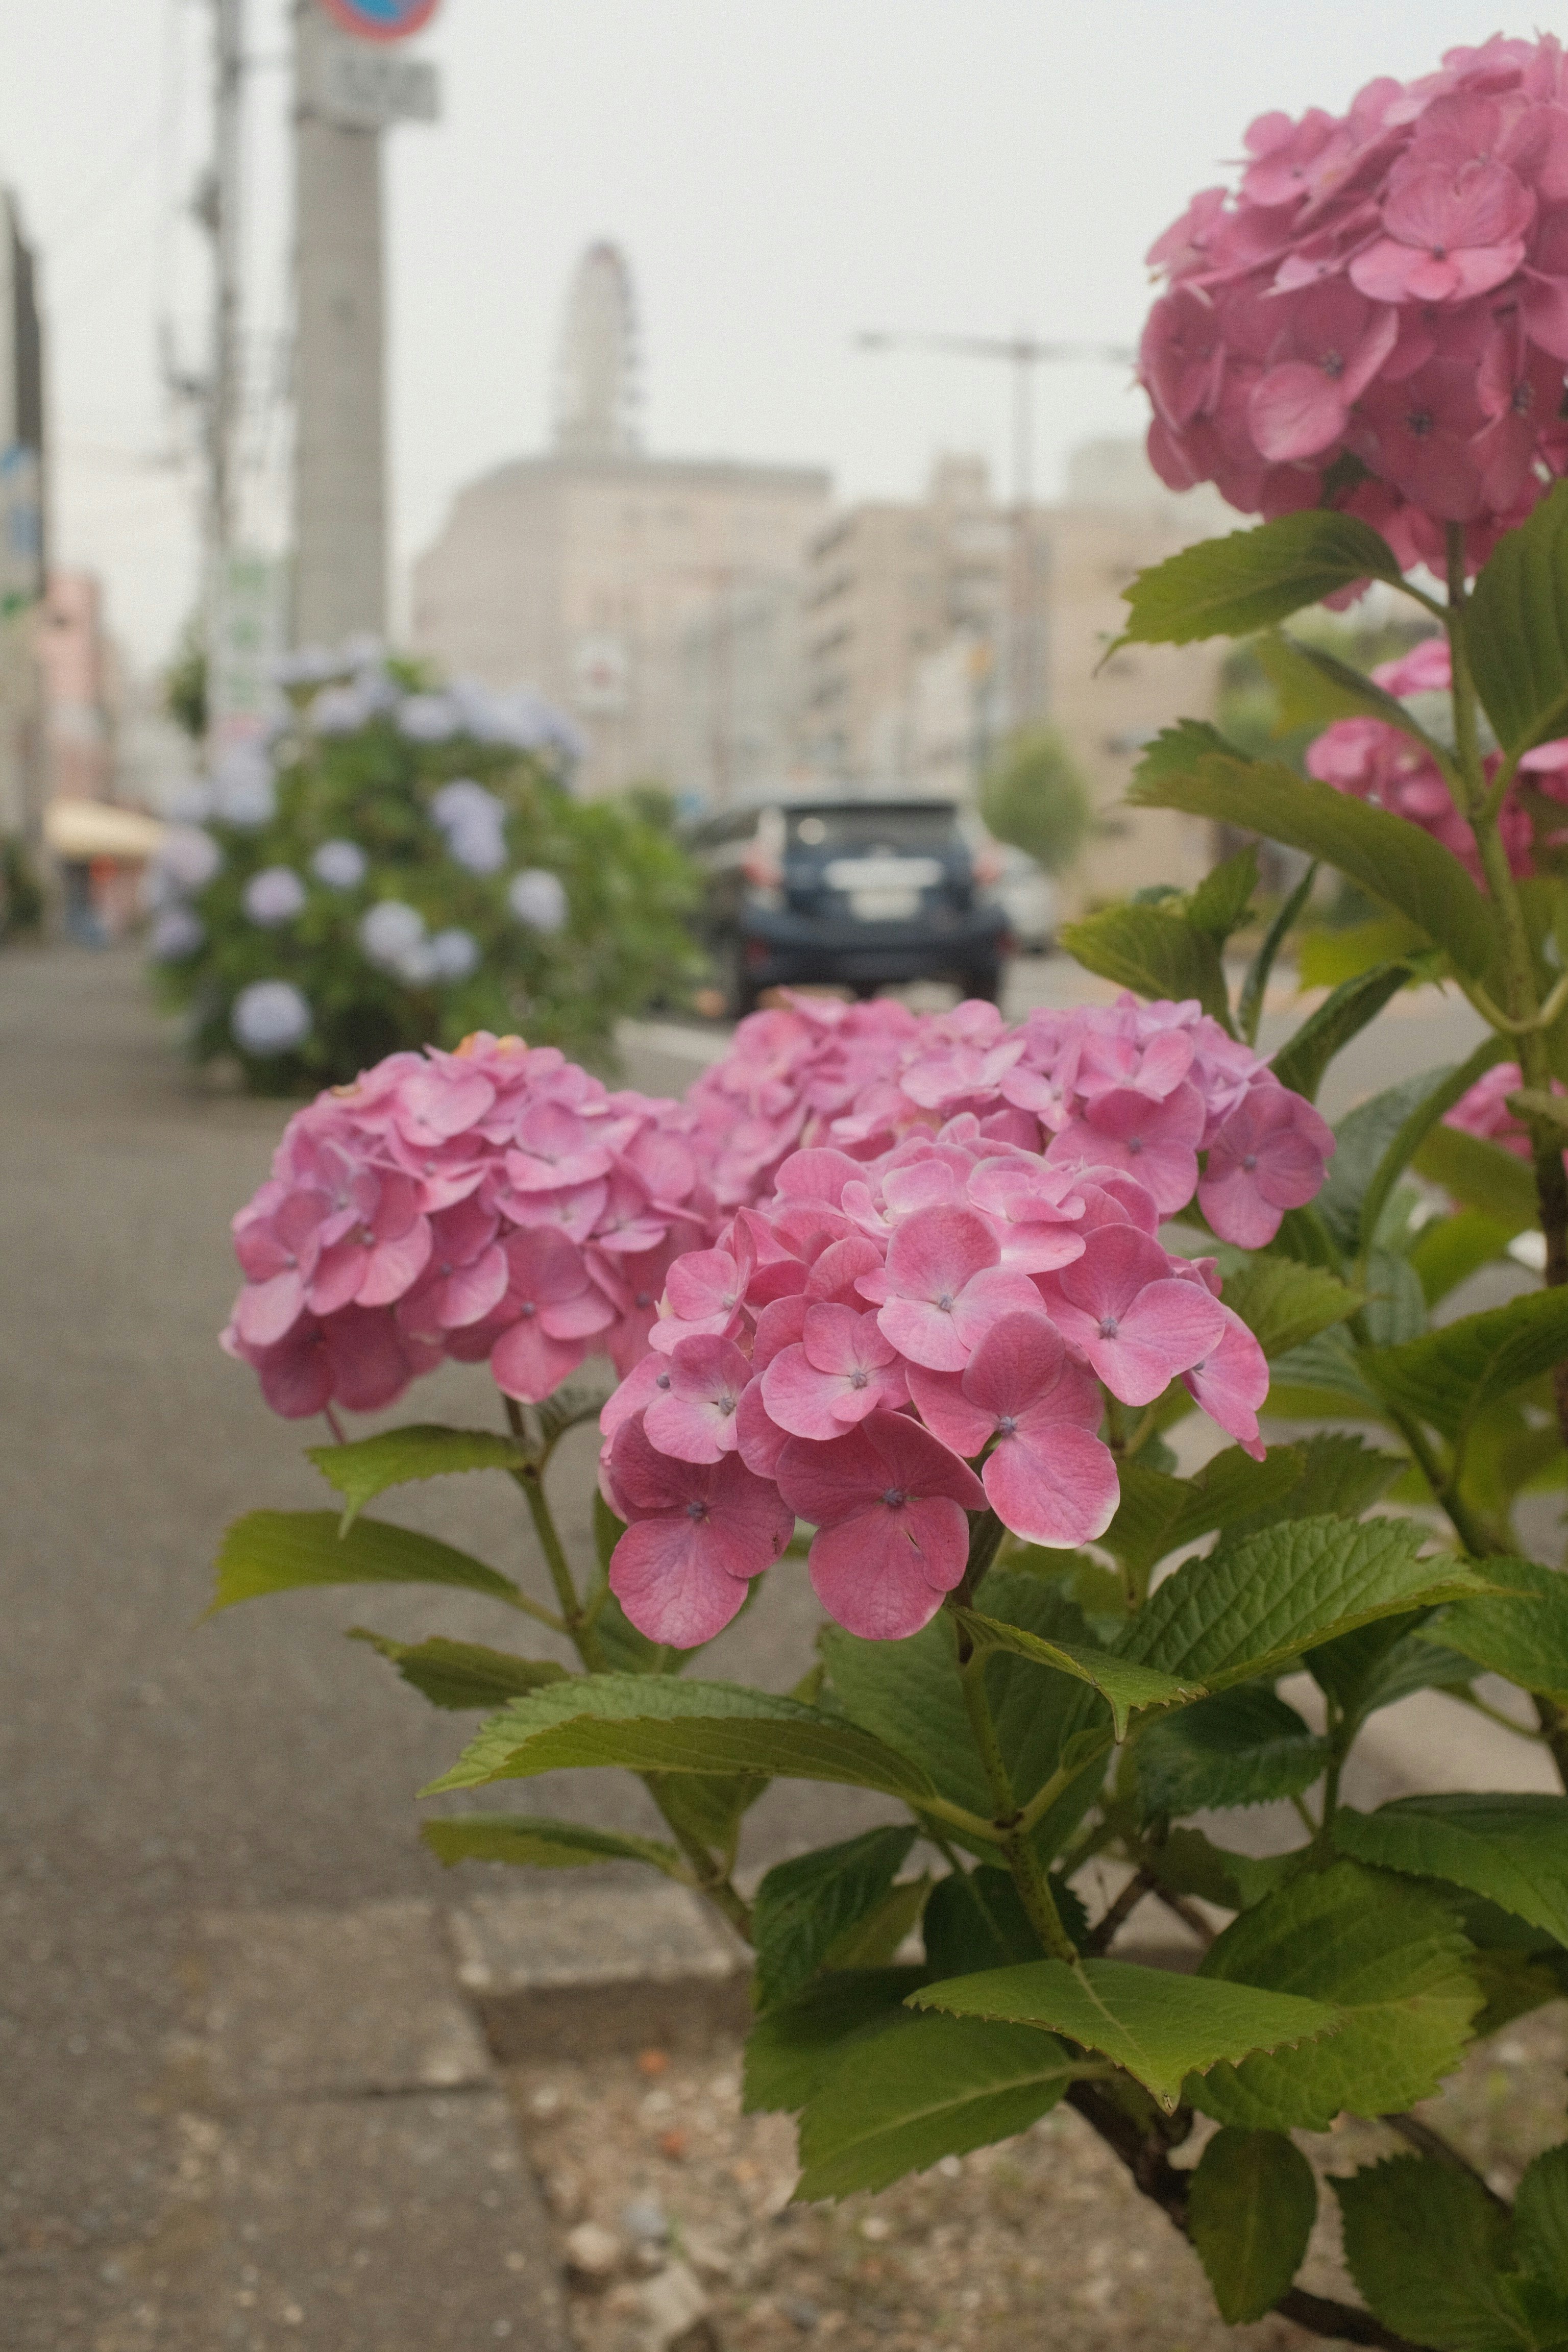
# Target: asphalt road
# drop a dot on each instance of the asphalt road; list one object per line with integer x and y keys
{"x": 156, "y": 1765}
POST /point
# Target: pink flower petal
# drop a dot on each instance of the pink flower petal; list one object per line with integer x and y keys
{"x": 883, "y": 1573}
{"x": 1055, "y": 1485}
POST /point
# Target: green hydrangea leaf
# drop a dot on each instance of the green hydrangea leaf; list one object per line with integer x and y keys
{"x": 898, "y": 2101}
{"x": 543, "y": 1844}
{"x": 646, "y": 1723}
{"x": 1249, "y": 580}
{"x": 797, "y": 2047}
{"x": 462, "y": 1674}
{"x": 1512, "y": 1849}
{"x": 1254, "y": 1604}
{"x": 1162, "y": 2028}
{"x": 1252, "y": 2205}
{"x": 1394, "y": 861}
{"x": 1517, "y": 632}
{"x": 1427, "y": 2247}
{"x": 1391, "y": 1960}
{"x": 1153, "y": 952}
{"x": 1521, "y": 1632}
{"x": 368, "y": 1466}
{"x": 1245, "y": 1746}
{"x": 804, "y": 1905}
{"x": 281, "y": 1552}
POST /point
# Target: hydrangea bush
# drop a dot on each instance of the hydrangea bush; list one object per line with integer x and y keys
{"x": 1131, "y": 1423}
{"x": 401, "y": 865}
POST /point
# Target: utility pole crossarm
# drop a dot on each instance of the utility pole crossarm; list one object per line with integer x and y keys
{"x": 1025, "y": 348}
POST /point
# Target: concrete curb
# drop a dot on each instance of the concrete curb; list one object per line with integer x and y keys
{"x": 348, "y": 2173}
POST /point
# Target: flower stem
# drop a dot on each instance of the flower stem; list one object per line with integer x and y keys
{"x": 1017, "y": 1847}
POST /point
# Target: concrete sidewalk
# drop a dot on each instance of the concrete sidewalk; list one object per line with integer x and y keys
{"x": 160, "y": 1771}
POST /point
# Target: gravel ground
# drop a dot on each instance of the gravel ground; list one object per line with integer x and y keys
{"x": 676, "y": 2207}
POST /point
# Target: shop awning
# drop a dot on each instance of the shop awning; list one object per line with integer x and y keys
{"x": 81, "y": 828}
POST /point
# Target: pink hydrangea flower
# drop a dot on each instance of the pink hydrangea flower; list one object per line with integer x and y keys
{"x": 1389, "y": 285}
{"x": 842, "y": 1368}
{"x": 944, "y": 1286}
{"x": 694, "y": 1417}
{"x": 1132, "y": 1320}
{"x": 1231, "y": 1383}
{"x": 1049, "y": 1478}
{"x": 697, "y": 1532}
{"x": 498, "y": 1200}
{"x": 1268, "y": 1157}
{"x": 889, "y": 1501}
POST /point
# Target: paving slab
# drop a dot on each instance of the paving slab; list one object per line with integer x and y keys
{"x": 323, "y": 2004}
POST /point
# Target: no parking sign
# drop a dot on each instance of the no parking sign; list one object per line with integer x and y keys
{"x": 381, "y": 20}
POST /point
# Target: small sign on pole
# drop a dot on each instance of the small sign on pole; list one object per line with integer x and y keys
{"x": 368, "y": 90}
{"x": 244, "y": 641}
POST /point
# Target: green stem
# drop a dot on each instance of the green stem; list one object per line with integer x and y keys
{"x": 1017, "y": 1849}
{"x": 1523, "y": 1005}
{"x": 532, "y": 1483}
{"x": 985, "y": 1538}
{"x": 710, "y": 1876}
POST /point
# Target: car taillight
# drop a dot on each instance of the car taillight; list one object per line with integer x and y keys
{"x": 762, "y": 870}
{"x": 987, "y": 867}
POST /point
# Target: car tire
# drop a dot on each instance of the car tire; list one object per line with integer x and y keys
{"x": 735, "y": 982}
{"x": 985, "y": 983}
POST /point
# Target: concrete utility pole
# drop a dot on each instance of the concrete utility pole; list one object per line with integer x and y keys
{"x": 1023, "y": 353}
{"x": 340, "y": 383}
{"x": 226, "y": 398}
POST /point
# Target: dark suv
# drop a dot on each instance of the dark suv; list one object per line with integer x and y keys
{"x": 859, "y": 892}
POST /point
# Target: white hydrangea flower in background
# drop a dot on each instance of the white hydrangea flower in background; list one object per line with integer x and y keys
{"x": 179, "y": 931}
{"x": 244, "y": 791}
{"x": 341, "y": 865}
{"x": 339, "y": 710}
{"x": 417, "y": 965}
{"x": 429, "y": 717}
{"x": 187, "y": 859}
{"x": 390, "y": 931}
{"x": 274, "y": 896}
{"x": 309, "y": 665}
{"x": 473, "y": 823}
{"x": 455, "y": 954}
{"x": 270, "y": 1016}
{"x": 538, "y": 898}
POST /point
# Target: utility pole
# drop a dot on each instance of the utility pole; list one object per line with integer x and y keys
{"x": 1023, "y": 353}
{"x": 226, "y": 400}
{"x": 340, "y": 390}
{"x": 349, "y": 85}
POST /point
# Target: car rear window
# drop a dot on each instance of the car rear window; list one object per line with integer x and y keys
{"x": 833, "y": 832}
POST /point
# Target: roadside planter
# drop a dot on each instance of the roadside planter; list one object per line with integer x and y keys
{"x": 926, "y": 1298}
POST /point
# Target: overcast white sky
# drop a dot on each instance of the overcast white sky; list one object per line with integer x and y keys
{"x": 780, "y": 175}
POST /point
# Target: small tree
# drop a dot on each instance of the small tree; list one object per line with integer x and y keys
{"x": 1035, "y": 798}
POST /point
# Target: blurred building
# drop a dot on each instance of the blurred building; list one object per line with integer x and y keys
{"x": 22, "y": 756}
{"x": 579, "y": 573}
{"x": 741, "y": 684}
{"x": 935, "y": 631}
{"x": 111, "y": 759}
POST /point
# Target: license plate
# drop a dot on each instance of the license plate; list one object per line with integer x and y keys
{"x": 884, "y": 905}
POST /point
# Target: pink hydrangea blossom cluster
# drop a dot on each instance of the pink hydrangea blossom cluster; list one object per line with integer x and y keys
{"x": 1388, "y": 287}
{"x": 908, "y": 1333}
{"x": 1380, "y": 764}
{"x": 793, "y": 1069}
{"x": 1484, "y": 1110}
{"x": 495, "y": 1204}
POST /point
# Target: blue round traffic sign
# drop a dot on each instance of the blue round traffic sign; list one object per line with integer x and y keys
{"x": 381, "y": 20}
